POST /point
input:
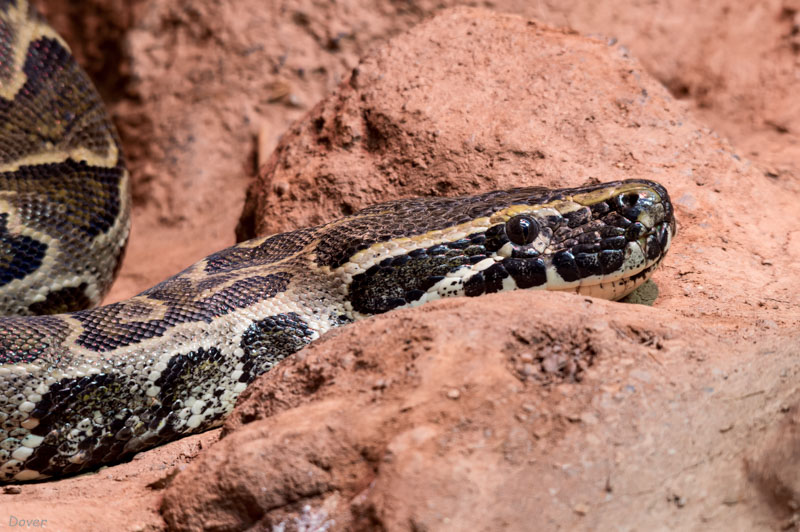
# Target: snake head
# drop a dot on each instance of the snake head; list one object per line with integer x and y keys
{"x": 602, "y": 240}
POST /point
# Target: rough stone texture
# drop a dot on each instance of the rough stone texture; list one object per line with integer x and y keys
{"x": 471, "y": 103}
{"x": 734, "y": 62}
{"x": 440, "y": 418}
{"x": 432, "y": 418}
{"x": 652, "y": 435}
{"x": 773, "y": 466}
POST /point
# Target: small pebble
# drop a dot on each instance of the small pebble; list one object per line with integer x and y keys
{"x": 768, "y": 324}
{"x": 550, "y": 364}
{"x": 580, "y": 509}
{"x": 730, "y": 499}
{"x": 453, "y": 394}
{"x": 280, "y": 188}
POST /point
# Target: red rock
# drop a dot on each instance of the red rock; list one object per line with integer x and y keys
{"x": 199, "y": 82}
{"x": 505, "y": 102}
{"x": 405, "y": 456}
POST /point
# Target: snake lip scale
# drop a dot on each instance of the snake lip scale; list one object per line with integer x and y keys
{"x": 81, "y": 386}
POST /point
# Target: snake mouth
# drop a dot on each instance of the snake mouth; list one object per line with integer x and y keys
{"x": 639, "y": 259}
{"x": 640, "y": 218}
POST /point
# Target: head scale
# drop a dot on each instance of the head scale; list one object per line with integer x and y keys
{"x": 602, "y": 240}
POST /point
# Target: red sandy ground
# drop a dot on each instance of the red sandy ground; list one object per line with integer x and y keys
{"x": 513, "y": 411}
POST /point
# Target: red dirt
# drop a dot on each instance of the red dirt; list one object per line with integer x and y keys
{"x": 686, "y": 417}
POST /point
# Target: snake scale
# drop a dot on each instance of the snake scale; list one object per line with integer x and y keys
{"x": 82, "y": 386}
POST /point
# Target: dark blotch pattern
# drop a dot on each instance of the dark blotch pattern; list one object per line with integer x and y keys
{"x": 495, "y": 237}
{"x": 653, "y": 247}
{"x": 493, "y": 278}
{"x": 578, "y": 217}
{"x": 87, "y": 421}
{"x": 588, "y": 264}
{"x": 72, "y": 404}
{"x": 611, "y": 260}
{"x": 114, "y": 418}
{"x": 73, "y": 201}
{"x": 400, "y": 280}
{"x": 587, "y": 242}
{"x": 20, "y": 255}
{"x": 564, "y": 263}
{"x": 527, "y": 273}
{"x": 89, "y": 195}
{"x": 268, "y": 341}
{"x": 198, "y": 373}
{"x": 56, "y": 104}
{"x": 123, "y": 324}
{"x": 65, "y": 405}
{"x": 68, "y": 299}
{"x": 474, "y": 286}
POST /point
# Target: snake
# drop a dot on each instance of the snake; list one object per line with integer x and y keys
{"x": 83, "y": 385}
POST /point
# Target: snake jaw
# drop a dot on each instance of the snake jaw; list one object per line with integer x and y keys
{"x": 637, "y": 228}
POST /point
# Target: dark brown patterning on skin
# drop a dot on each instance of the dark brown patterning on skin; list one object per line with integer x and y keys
{"x": 64, "y": 206}
{"x": 91, "y": 387}
{"x": 82, "y": 389}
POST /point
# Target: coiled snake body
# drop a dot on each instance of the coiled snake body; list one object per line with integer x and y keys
{"x": 87, "y": 387}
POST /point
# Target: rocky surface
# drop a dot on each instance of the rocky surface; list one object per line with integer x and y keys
{"x": 486, "y": 415}
{"x": 509, "y": 411}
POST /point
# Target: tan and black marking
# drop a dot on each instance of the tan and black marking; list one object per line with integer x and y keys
{"x": 84, "y": 388}
{"x": 63, "y": 184}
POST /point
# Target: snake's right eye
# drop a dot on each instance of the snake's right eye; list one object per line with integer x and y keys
{"x": 628, "y": 200}
{"x": 522, "y": 229}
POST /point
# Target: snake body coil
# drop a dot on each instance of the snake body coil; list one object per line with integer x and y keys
{"x": 89, "y": 387}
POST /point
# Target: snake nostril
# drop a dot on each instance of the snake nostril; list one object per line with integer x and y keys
{"x": 628, "y": 200}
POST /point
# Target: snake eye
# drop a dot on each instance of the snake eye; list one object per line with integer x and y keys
{"x": 628, "y": 200}
{"x": 522, "y": 229}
